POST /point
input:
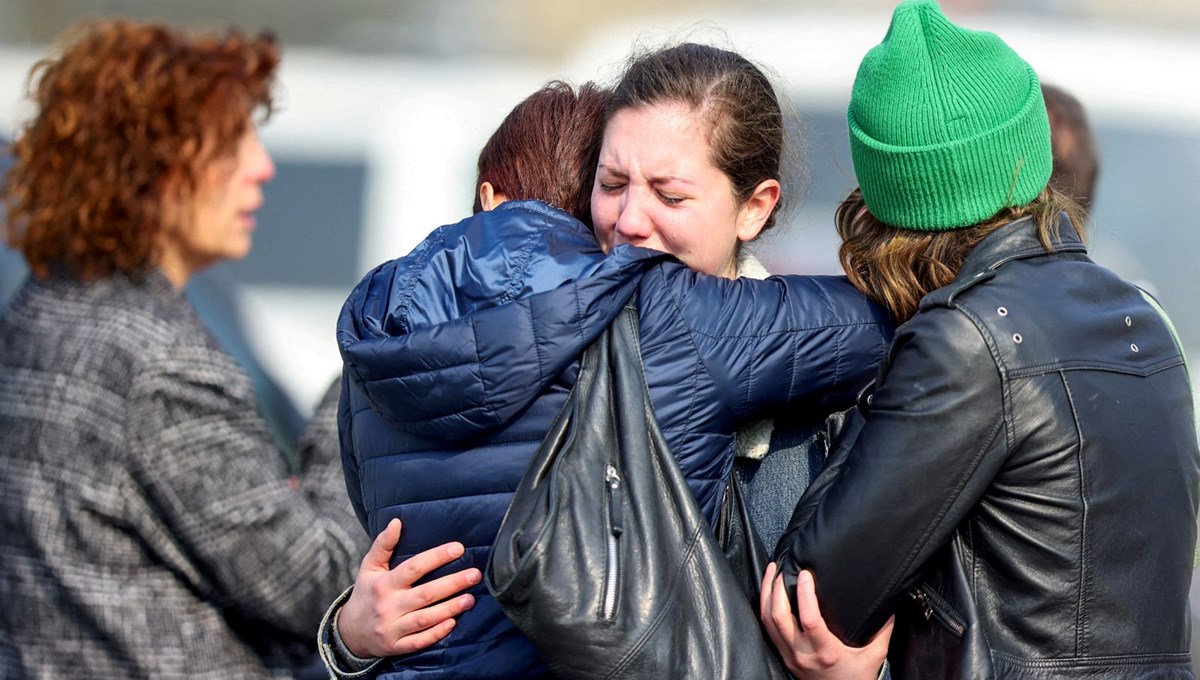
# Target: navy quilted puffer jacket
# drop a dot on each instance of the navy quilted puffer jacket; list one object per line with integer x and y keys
{"x": 458, "y": 355}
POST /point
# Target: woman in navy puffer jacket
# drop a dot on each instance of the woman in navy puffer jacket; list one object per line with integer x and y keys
{"x": 458, "y": 355}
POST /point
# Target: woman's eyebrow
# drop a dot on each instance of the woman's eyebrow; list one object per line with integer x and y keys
{"x": 667, "y": 179}
{"x": 610, "y": 170}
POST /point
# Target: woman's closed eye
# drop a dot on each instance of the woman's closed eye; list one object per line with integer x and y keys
{"x": 670, "y": 199}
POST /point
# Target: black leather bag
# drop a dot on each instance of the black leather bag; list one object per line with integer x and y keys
{"x": 743, "y": 547}
{"x": 604, "y": 558}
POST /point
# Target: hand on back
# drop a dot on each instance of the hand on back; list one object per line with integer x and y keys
{"x": 387, "y": 615}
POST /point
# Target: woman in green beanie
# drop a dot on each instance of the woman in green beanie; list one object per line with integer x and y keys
{"x": 1019, "y": 486}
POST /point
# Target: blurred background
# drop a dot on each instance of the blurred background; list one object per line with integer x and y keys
{"x": 385, "y": 103}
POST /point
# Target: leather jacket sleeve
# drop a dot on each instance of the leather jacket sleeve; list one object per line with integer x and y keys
{"x": 930, "y": 442}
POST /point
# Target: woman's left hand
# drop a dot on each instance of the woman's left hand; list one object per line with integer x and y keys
{"x": 807, "y": 646}
{"x": 388, "y": 615}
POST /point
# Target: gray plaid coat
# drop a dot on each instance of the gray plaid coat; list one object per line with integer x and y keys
{"x": 147, "y": 524}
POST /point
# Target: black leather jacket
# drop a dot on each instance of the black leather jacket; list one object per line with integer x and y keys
{"x": 1021, "y": 490}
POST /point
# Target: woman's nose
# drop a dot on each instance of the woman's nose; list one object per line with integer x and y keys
{"x": 264, "y": 165}
{"x": 255, "y": 161}
{"x": 633, "y": 224}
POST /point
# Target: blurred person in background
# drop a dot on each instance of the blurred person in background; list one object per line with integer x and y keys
{"x": 12, "y": 269}
{"x": 217, "y": 304}
{"x": 689, "y": 165}
{"x": 1076, "y": 161}
{"x": 150, "y": 526}
{"x": 1019, "y": 488}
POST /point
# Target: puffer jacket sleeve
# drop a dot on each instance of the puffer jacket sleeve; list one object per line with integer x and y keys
{"x": 930, "y": 443}
{"x": 786, "y": 340}
{"x": 264, "y": 547}
{"x": 345, "y": 425}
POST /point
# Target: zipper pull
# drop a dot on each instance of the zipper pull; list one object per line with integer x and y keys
{"x": 923, "y": 601}
{"x": 614, "y": 499}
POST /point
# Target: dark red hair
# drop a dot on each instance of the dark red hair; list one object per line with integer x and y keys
{"x": 547, "y": 148}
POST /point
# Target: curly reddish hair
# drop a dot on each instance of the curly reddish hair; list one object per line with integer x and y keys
{"x": 127, "y": 112}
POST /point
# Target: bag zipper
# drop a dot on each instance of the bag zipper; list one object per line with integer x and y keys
{"x": 933, "y": 606}
{"x": 612, "y": 565}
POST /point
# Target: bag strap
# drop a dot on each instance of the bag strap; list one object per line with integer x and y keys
{"x": 735, "y": 531}
{"x": 739, "y": 538}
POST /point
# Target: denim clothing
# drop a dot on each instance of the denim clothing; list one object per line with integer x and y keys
{"x": 774, "y": 483}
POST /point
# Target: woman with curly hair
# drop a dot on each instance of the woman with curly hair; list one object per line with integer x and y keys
{"x": 150, "y": 528}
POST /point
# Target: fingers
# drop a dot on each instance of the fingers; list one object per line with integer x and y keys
{"x": 809, "y": 614}
{"x": 406, "y": 611}
{"x": 419, "y": 629}
{"x": 764, "y": 591}
{"x": 387, "y": 615}
{"x": 394, "y": 601}
{"x": 397, "y": 620}
{"x": 439, "y": 589}
{"x": 428, "y": 617}
{"x": 419, "y": 641}
{"x": 765, "y": 600}
{"x": 807, "y": 646}
{"x": 781, "y": 613}
{"x": 825, "y": 645}
{"x": 414, "y": 568}
{"x": 380, "y": 553}
{"x": 783, "y": 630}
{"x": 766, "y": 611}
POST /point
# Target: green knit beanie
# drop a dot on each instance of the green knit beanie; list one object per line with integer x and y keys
{"x": 947, "y": 125}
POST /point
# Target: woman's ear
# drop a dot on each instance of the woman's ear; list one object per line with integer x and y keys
{"x": 756, "y": 209}
{"x": 171, "y": 213}
{"x": 489, "y": 198}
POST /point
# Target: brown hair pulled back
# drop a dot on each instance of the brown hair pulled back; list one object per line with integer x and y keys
{"x": 730, "y": 92}
{"x": 547, "y": 148}
{"x": 124, "y": 110}
{"x": 898, "y": 267}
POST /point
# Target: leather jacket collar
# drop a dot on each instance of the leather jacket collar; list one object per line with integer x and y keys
{"x": 1014, "y": 241}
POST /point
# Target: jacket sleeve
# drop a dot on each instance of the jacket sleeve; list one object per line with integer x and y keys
{"x": 345, "y": 425}
{"x": 809, "y": 340}
{"x": 267, "y": 548}
{"x": 930, "y": 443}
{"x": 339, "y": 661}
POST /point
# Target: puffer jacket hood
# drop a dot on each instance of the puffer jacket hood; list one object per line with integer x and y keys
{"x": 454, "y": 340}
